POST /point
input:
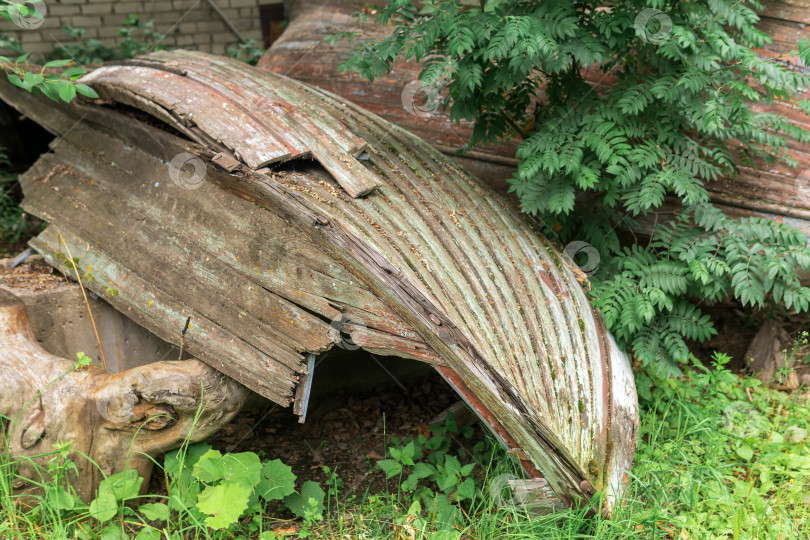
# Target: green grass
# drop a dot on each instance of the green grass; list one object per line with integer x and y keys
{"x": 719, "y": 456}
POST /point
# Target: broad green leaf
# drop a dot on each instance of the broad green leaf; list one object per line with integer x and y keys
{"x": 390, "y": 467}
{"x": 277, "y": 481}
{"x": 155, "y": 511}
{"x": 50, "y": 89}
{"x": 86, "y": 91}
{"x": 148, "y": 533}
{"x": 17, "y": 81}
{"x": 745, "y": 452}
{"x": 209, "y": 467}
{"x": 466, "y": 489}
{"x": 67, "y": 92}
{"x": 112, "y": 531}
{"x": 223, "y": 504}
{"x": 58, "y": 63}
{"x": 452, "y": 465}
{"x": 104, "y": 507}
{"x": 188, "y": 457}
{"x": 244, "y": 468}
{"x": 124, "y": 485}
{"x": 301, "y": 503}
{"x": 60, "y": 499}
{"x": 72, "y": 73}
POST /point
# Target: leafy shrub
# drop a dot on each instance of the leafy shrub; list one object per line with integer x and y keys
{"x": 592, "y": 162}
{"x": 249, "y": 52}
{"x": 137, "y": 37}
{"x": 425, "y": 468}
{"x": 219, "y": 489}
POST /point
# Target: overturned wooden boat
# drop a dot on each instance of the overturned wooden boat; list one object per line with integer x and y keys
{"x": 776, "y": 192}
{"x": 285, "y": 221}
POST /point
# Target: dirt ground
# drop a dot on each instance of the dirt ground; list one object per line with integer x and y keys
{"x": 348, "y": 431}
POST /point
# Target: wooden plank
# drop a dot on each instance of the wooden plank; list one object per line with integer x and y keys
{"x": 152, "y": 249}
{"x": 301, "y": 404}
{"x": 261, "y": 128}
{"x": 165, "y": 316}
{"x": 194, "y": 103}
{"x": 286, "y": 265}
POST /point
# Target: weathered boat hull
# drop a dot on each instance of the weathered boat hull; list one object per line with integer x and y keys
{"x": 270, "y": 263}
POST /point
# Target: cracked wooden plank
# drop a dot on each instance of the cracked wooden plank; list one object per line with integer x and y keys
{"x": 210, "y": 106}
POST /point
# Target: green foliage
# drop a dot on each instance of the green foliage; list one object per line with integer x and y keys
{"x": 678, "y": 116}
{"x": 55, "y": 85}
{"x": 647, "y": 292}
{"x": 249, "y": 52}
{"x": 219, "y": 489}
{"x": 83, "y": 361}
{"x": 730, "y": 462}
{"x": 137, "y": 37}
{"x": 427, "y": 471}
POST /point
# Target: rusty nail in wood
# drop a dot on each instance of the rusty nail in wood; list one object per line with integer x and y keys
{"x": 586, "y": 486}
{"x": 436, "y": 320}
{"x": 320, "y": 220}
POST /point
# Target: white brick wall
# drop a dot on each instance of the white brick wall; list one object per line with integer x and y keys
{"x": 193, "y": 23}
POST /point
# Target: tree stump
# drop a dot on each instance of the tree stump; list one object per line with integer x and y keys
{"x": 765, "y": 356}
{"x": 118, "y": 421}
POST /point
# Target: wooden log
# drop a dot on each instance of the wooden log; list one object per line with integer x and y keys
{"x": 768, "y": 353}
{"x": 118, "y": 421}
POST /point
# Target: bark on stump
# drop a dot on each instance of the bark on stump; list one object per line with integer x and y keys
{"x": 118, "y": 420}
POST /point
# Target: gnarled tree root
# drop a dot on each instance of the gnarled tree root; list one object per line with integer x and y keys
{"x": 118, "y": 420}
